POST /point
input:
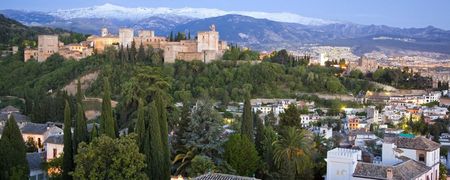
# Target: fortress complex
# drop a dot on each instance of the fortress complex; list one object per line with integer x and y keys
{"x": 50, "y": 44}
{"x": 206, "y": 47}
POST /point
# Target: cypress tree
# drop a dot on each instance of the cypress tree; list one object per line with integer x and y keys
{"x": 182, "y": 128}
{"x": 107, "y": 119}
{"x": 171, "y": 36}
{"x": 94, "y": 132}
{"x": 80, "y": 128}
{"x": 133, "y": 52}
{"x": 161, "y": 107}
{"x": 14, "y": 164}
{"x": 154, "y": 146}
{"x": 259, "y": 135}
{"x": 140, "y": 125}
{"x": 141, "y": 53}
{"x": 79, "y": 92}
{"x": 247, "y": 120}
{"x": 68, "y": 164}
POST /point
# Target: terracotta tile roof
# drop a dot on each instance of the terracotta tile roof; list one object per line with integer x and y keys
{"x": 406, "y": 170}
{"x": 418, "y": 143}
{"x": 218, "y": 176}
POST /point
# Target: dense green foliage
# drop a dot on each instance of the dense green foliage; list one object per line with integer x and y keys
{"x": 13, "y": 160}
{"x": 283, "y": 57}
{"x": 201, "y": 165}
{"x": 107, "y": 158}
{"x": 399, "y": 78}
{"x": 241, "y": 154}
{"x": 236, "y": 53}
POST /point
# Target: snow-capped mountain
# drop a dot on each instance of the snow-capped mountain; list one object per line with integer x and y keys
{"x": 177, "y": 14}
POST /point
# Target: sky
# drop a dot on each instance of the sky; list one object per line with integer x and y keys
{"x": 397, "y": 13}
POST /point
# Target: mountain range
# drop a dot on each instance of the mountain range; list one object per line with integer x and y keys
{"x": 258, "y": 30}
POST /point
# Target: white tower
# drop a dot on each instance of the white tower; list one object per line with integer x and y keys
{"x": 126, "y": 36}
{"x": 323, "y": 58}
{"x": 341, "y": 163}
{"x": 104, "y": 32}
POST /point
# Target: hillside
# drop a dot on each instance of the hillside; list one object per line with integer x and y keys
{"x": 13, "y": 32}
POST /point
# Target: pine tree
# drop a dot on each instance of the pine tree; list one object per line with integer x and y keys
{"x": 140, "y": 125}
{"x": 13, "y": 160}
{"x": 189, "y": 35}
{"x": 68, "y": 163}
{"x": 247, "y": 120}
{"x": 162, "y": 118}
{"x": 154, "y": 146}
{"x": 80, "y": 128}
{"x": 107, "y": 116}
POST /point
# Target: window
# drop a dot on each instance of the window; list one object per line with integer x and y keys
{"x": 55, "y": 152}
{"x": 422, "y": 157}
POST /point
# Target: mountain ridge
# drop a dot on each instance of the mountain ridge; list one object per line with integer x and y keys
{"x": 260, "y": 33}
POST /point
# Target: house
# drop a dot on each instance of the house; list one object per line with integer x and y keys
{"x": 326, "y": 132}
{"x": 419, "y": 149}
{"x": 353, "y": 123}
{"x": 360, "y": 136}
{"x": 20, "y": 118}
{"x": 54, "y": 146}
{"x": 219, "y": 176}
{"x": 35, "y": 163}
{"x": 346, "y": 164}
{"x": 39, "y": 133}
{"x": 9, "y": 110}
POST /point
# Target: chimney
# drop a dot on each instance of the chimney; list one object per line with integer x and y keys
{"x": 389, "y": 173}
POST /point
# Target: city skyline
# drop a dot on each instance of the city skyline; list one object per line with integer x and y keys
{"x": 402, "y": 13}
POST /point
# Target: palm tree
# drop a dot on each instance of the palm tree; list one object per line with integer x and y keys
{"x": 184, "y": 161}
{"x": 292, "y": 152}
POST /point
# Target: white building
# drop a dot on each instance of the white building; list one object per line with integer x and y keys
{"x": 54, "y": 146}
{"x": 343, "y": 164}
{"x": 266, "y": 106}
{"x": 419, "y": 149}
{"x": 359, "y": 137}
{"x": 323, "y": 58}
{"x": 373, "y": 114}
{"x": 326, "y": 132}
{"x": 39, "y": 132}
{"x": 126, "y": 36}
